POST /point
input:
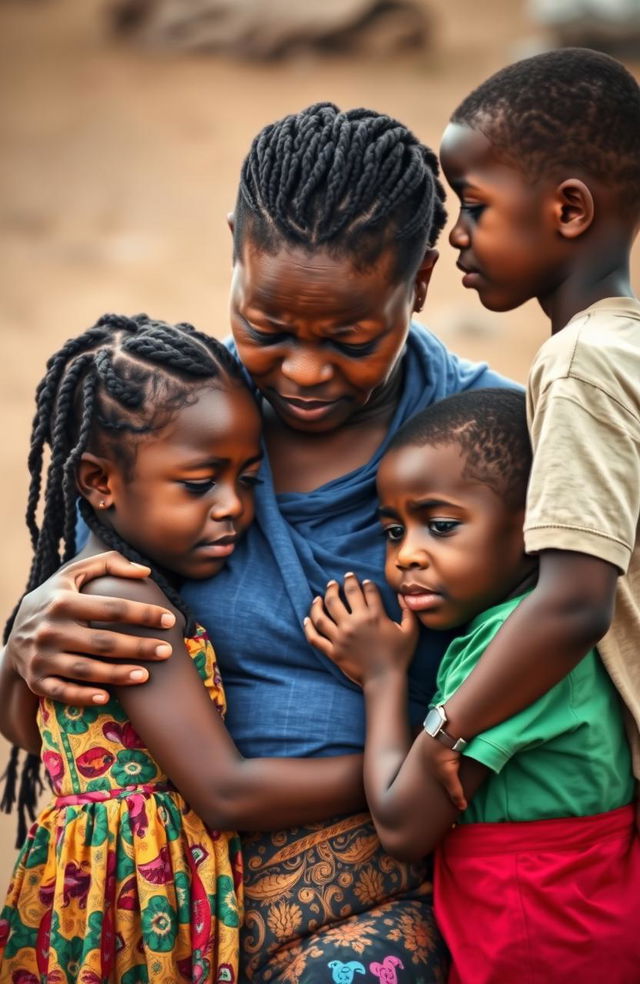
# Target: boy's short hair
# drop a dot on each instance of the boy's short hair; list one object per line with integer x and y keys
{"x": 490, "y": 427}
{"x": 572, "y": 109}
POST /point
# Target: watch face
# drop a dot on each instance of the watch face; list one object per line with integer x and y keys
{"x": 434, "y": 721}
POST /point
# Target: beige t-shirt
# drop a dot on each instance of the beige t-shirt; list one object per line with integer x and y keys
{"x": 583, "y": 407}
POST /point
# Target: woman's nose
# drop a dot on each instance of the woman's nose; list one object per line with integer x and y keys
{"x": 306, "y": 367}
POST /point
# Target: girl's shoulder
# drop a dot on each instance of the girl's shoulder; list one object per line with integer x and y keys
{"x": 145, "y": 591}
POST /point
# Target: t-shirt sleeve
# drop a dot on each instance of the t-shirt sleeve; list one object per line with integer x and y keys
{"x": 584, "y": 490}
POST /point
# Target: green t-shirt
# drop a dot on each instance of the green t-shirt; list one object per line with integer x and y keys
{"x": 564, "y": 756}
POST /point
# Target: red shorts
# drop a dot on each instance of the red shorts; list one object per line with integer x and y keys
{"x": 542, "y": 902}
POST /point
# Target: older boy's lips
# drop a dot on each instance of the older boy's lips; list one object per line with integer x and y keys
{"x": 471, "y": 277}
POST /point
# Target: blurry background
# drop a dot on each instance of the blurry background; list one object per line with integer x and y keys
{"x": 121, "y": 151}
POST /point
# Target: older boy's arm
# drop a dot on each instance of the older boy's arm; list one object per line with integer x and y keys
{"x": 18, "y": 707}
{"x": 546, "y": 636}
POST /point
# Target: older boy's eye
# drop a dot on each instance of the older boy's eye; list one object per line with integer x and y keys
{"x": 393, "y": 533}
{"x": 442, "y": 527}
{"x": 474, "y": 210}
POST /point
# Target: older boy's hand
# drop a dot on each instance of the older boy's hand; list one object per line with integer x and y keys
{"x": 445, "y": 766}
{"x": 357, "y": 634}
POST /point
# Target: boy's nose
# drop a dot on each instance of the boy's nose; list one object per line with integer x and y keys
{"x": 411, "y": 554}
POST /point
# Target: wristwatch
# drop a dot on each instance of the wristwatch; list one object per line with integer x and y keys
{"x": 434, "y": 725}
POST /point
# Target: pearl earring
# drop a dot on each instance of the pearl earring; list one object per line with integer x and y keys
{"x": 102, "y": 504}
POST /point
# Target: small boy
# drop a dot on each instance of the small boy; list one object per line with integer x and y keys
{"x": 540, "y": 880}
{"x": 545, "y": 158}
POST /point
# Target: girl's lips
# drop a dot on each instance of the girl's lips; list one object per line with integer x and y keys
{"x": 219, "y": 548}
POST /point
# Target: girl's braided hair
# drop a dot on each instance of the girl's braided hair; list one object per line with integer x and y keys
{"x": 353, "y": 183}
{"x": 119, "y": 380}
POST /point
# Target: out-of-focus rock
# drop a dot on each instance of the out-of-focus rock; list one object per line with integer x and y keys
{"x": 264, "y": 29}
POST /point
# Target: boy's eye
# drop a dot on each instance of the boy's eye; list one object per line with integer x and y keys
{"x": 199, "y": 487}
{"x": 393, "y": 533}
{"x": 442, "y": 527}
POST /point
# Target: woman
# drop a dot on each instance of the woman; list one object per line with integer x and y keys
{"x": 334, "y": 231}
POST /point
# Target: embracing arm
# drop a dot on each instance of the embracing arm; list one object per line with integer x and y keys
{"x": 179, "y": 724}
{"x": 51, "y": 634}
{"x": 18, "y": 707}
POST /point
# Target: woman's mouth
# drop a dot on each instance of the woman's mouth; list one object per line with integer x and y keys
{"x": 307, "y": 410}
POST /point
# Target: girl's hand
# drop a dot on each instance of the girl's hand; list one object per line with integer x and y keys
{"x": 357, "y": 634}
{"x": 52, "y": 632}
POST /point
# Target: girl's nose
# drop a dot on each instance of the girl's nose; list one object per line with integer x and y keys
{"x": 306, "y": 367}
{"x": 228, "y": 504}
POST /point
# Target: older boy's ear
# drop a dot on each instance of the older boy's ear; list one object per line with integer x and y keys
{"x": 574, "y": 208}
{"x": 93, "y": 480}
{"x": 423, "y": 276}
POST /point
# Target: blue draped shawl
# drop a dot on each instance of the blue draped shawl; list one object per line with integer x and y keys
{"x": 284, "y": 697}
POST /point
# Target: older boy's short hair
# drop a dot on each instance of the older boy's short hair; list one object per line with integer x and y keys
{"x": 490, "y": 427}
{"x": 572, "y": 109}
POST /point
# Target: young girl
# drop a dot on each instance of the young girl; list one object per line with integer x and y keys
{"x": 540, "y": 880}
{"x": 127, "y": 875}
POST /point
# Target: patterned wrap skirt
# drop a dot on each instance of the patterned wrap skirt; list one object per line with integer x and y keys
{"x": 325, "y": 903}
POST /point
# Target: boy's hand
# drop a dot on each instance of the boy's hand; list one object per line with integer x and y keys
{"x": 444, "y": 764}
{"x": 357, "y": 634}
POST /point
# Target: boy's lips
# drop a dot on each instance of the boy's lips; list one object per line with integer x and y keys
{"x": 419, "y": 598}
{"x": 470, "y": 277}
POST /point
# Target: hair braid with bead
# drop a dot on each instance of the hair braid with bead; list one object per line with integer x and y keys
{"x": 354, "y": 183}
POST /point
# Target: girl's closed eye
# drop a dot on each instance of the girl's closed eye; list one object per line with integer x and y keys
{"x": 199, "y": 486}
{"x": 443, "y": 527}
{"x": 250, "y": 480}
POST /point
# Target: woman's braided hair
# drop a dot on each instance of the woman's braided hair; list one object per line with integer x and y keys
{"x": 353, "y": 183}
{"x": 119, "y": 380}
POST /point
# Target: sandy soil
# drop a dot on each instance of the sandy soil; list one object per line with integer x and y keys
{"x": 119, "y": 167}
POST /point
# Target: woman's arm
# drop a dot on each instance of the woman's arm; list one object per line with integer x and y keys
{"x": 18, "y": 708}
{"x": 186, "y": 735}
{"x": 52, "y": 630}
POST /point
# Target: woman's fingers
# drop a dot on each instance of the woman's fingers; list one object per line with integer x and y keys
{"x": 70, "y": 605}
{"x": 110, "y": 562}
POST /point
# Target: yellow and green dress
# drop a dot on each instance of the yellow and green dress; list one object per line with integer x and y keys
{"x": 118, "y": 879}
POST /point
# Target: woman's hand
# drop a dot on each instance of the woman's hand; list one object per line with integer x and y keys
{"x": 52, "y": 634}
{"x": 357, "y": 634}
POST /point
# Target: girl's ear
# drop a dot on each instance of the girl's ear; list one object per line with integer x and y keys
{"x": 93, "y": 478}
{"x": 574, "y": 208}
{"x": 231, "y": 221}
{"x": 423, "y": 276}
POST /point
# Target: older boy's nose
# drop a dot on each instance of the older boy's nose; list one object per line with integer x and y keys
{"x": 459, "y": 237}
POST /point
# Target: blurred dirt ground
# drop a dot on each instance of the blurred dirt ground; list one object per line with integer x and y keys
{"x": 118, "y": 169}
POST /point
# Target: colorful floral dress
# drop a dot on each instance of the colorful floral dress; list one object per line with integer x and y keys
{"x": 118, "y": 880}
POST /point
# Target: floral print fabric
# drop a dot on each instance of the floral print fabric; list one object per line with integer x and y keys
{"x": 326, "y": 904}
{"x": 118, "y": 879}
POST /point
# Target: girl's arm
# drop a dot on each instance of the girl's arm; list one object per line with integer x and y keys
{"x": 52, "y": 629}
{"x": 18, "y": 707}
{"x": 182, "y": 729}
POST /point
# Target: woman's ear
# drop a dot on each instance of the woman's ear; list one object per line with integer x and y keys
{"x": 423, "y": 276}
{"x": 93, "y": 478}
{"x": 574, "y": 208}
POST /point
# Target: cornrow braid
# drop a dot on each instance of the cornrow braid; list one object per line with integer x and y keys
{"x": 354, "y": 183}
{"x": 122, "y": 378}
